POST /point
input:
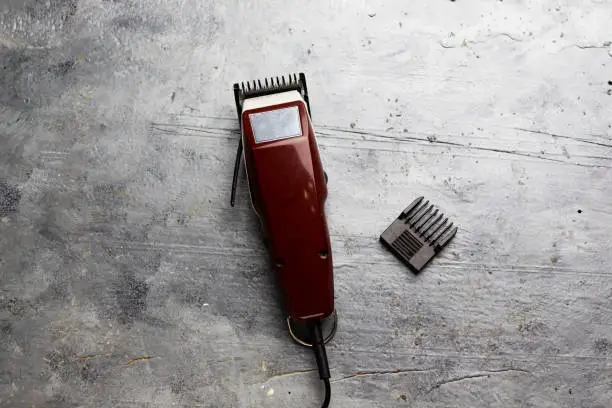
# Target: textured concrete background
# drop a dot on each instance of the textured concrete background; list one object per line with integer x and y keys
{"x": 127, "y": 281}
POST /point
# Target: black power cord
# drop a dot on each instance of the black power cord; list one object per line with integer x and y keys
{"x": 318, "y": 346}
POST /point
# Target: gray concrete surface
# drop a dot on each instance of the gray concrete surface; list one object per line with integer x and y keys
{"x": 127, "y": 281}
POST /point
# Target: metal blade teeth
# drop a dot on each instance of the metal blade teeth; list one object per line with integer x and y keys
{"x": 275, "y": 82}
{"x": 270, "y": 85}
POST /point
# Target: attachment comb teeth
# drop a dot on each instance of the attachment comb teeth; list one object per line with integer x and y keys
{"x": 418, "y": 234}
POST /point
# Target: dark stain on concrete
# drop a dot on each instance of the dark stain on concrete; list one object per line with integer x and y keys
{"x": 61, "y": 9}
{"x": 131, "y": 294}
{"x": 26, "y": 79}
{"x": 177, "y": 384}
{"x": 156, "y": 172}
{"x": 161, "y": 217}
{"x": 603, "y": 346}
{"x": 59, "y": 363}
{"x": 533, "y": 327}
{"x": 56, "y": 291}
{"x": 130, "y": 20}
{"x": 50, "y": 232}
{"x": 88, "y": 372}
{"x": 108, "y": 209}
{"x": 68, "y": 367}
{"x": 62, "y": 68}
{"x": 109, "y": 194}
{"x": 61, "y": 401}
{"x": 16, "y": 307}
{"x": 9, "y": 198}
{"x": 6, "y": 328}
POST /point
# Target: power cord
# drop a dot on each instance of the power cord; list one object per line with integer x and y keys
{"x": 318, "y": 346}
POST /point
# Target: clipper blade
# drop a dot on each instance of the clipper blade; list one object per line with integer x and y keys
{"x": 269, "y": 86}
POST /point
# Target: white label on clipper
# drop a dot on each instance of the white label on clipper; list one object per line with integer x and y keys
{"x": 276, "y": 124}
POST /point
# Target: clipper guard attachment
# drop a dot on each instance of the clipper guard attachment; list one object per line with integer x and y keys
{"x": 418, "y": 234}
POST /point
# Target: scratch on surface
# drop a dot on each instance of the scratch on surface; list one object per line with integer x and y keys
{"x": 193, "y": 131}
{"x": 515, "y": 153}
{"x": 366, "y": 133}
{"x": 195, "y": 128}
{"x": 446, "y": 45}
{"x": 88, "y": 356}
{"x": 429, "y": 138}
{"x": 579, "y": 139}
{"x": 404, "y": 138}
{"x": 192, "y": 109}
{"x": 178, "y": 248}
{"x": 134, "y": 360}
{"x": 465, "y": 42}
{"x": 390, "y": 372}
{"x": 605, "y": 44}
{"x": 599, "y": 385}
{"x": 486, "y": 374}
{"x": 510, "y": 37}
{"x": 289, "y": 374}
{"x": 216, "y": 132}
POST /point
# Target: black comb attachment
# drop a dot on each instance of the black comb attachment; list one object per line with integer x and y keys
{"x": 418, "y": 234}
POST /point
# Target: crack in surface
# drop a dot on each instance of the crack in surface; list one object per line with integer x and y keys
{"x": 203, "y": 132}
{"x": 88, "y": 356}
{"x": 511, "y": 37}
{"x": 389, "y": 372}
{"x": 605, "y": 44}
{"x": 290, "y": 374}
{"x": 442, "y": 142}
{"x": 579, "y": 139}
{"x": 465, "y": 42}
{"x": 486, "y": 374}
{"x": 132, "y": 361}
